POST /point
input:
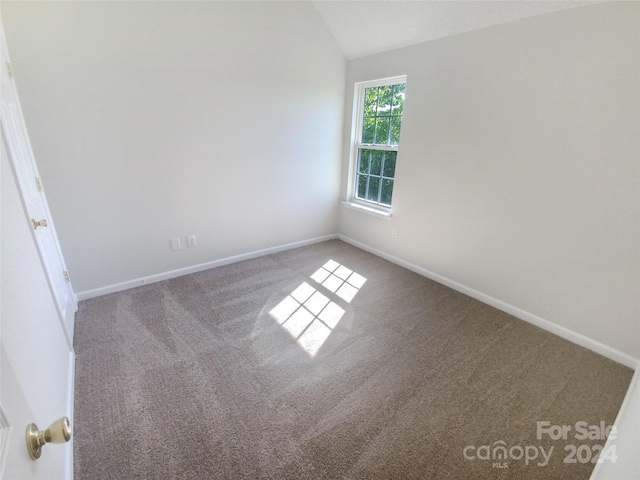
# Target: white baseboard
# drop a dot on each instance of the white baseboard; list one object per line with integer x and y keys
{"x": 118, "y": 287}
{"x": 582, "y": 340}
{"x": 554, "y": 328}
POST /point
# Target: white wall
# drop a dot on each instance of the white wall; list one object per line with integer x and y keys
{"x": 518, "y": 171}
{"x": 153, "y": 120}
{"x": 625, "y": 444}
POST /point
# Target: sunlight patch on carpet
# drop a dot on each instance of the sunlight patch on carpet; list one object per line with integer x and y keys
{"x": 308, "y": 315}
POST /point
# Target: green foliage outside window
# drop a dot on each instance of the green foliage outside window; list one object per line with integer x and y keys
{"x": 382, "y": 117}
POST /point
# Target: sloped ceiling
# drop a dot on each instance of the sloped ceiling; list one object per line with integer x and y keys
{"x": 365, "y": 27}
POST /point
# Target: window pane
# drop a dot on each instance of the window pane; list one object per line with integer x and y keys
{"x": 376, "y": 162}
{"x": 398, "y": 99}
{"x": 362, "y": 186}
{"x": 370, "y": 101}
{"x": 395, "y": 130}
{"x": 389, "y": 164}
{"x": 387, "y": 191}
{"x": 368, "y": 129}
{"x": 363, "y": 163}
{"x": 382, "y": 130}
{"x": 374, "y": 187}
{"x": 385, "y": 96}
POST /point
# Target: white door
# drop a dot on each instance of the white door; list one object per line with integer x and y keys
{"x": 37, "y": 361}
{"x": 33, "y": 196}
{"x": 36, "y": 364}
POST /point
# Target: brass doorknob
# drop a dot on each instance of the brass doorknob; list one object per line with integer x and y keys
{"x": 39, "y": 223}
{"x": 58, "y": 432}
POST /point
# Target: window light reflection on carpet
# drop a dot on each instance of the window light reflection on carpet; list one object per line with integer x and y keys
{"x": 310, "y": 316}
{"x": 339, "y": 279}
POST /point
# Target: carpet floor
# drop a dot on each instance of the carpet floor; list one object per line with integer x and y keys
{"x": 327, "y": 362}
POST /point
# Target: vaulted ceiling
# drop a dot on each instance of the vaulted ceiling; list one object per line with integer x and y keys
{"x": 365, "y": 27}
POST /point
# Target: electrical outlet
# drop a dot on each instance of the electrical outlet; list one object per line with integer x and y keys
{"x": 394, "y": 233}
{"x": 191, "y": 241}
{"x": 175, "y": 244}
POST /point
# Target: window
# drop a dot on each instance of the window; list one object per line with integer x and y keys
{"x": 377, "y": 120}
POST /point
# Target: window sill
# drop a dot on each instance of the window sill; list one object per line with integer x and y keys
{"x": 374, "y": 212}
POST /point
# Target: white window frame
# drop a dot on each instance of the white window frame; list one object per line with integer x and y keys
{"x": 352, "y": 201}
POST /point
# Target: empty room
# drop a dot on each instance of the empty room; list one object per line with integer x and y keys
{"x": 320, "y": 239}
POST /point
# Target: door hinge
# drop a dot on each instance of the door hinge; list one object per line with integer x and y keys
{"x": 39, "y": 184}
{"x": 9, "y": 71}
{"x": 66, "y": 276}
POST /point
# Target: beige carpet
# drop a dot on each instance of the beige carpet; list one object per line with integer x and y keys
{"x": 327, "y": 362}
